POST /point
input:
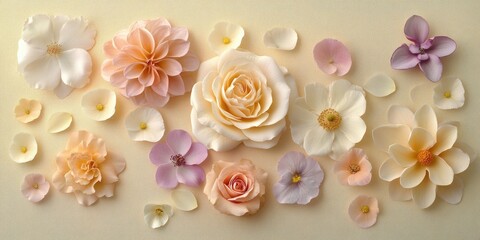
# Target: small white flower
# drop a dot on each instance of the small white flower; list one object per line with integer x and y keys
{"x": 99, "y": 104}
{"x": 449, "y": 94}
{"x": 157, "y": 215}
{"x": 23, "y": 148}
{"x": 27, "y": 110}
{"x": 281, "y": 38}
{"x": 225, "y": 36}
{"x": 145, "y": 124}
{"x": 35, "y": 187}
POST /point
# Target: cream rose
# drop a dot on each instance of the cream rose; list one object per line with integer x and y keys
{"x": 239, "y": 97}
{"x": 235, "y": 188}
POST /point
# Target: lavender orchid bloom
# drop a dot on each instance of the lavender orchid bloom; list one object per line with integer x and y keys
{"x": 425, "y": 52}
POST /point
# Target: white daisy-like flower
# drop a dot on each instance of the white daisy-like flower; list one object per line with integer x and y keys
{"x": 52, "y": 53}
{"x": 225, "y": 36}
{"x": 27, "y": 110}
{"x": 449, "y": 94}
{"x": 99, "y": 104}
{"x": 145, "y": 124}
{"x": 327, "y": 121}
{"x": 23, "y": 148}
{"x": 157, "y": 215}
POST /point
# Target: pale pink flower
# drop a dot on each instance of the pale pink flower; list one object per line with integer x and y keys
{"x": 363, "y": 211}
{"x": 147, "y": 62}
{"x": 353, "y": 168}
{"x": 35, "y": 187}
{"x": 332, "y": 57}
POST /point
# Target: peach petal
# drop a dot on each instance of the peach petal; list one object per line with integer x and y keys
{"x": 412, "y": 176}
{"x": 421, "y": 139}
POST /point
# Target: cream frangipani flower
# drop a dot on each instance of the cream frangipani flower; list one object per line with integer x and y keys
{"x": 35, "y": 187}
{"x": 225, "y": 36}
{"x": 449, "y": 94}
{"x": 99, "y": 104}
{"x": 23, "y": 148}
{"x": 145, "y": 124}
{"x": 157, "y": 215}
{"x": 52, "y": 53}
{"x": 27, "y": 110}
{"x": 327, "y": 120}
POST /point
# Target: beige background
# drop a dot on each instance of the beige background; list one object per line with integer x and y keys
{"x": 371, "y": 30}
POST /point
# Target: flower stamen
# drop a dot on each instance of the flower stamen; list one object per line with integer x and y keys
{"x": 23, "y": 149}
{"x": 226, "y": 40}
{"x": 27, "y": 111}
{"x": 100, "y": 107}
{"x": 177, "y": 160}
{"x": 296, "y": 178}
{"x": 329, "y": 119}
{"x": 365, "y": 209}
{"x": 354, "y": 168}
{"x": 35, "y": 186}
{"x": 425, "y": 158}
{"x": 54, "y": 49}
{"x": 447, "y": 94}
{"x": 143, "y": 125}
{"x": 158, "y": 211}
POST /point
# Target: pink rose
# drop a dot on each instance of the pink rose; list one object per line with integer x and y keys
{"x": 235, "y": 188}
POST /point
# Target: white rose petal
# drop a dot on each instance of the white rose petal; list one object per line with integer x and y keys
{"x": 225, "y": 36}
{"x": 23, "y": 148}
{"x": 380, "y": 85}
{"x": 59, "y": 122}
{"x": 184, "y": 200}
{"x": 281, "y": 38}
{"x": 449, "y": 94}
{"x": 145, "y": 124}
{"x": 99, "y": 104}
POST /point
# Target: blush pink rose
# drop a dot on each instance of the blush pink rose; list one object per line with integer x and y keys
{"x": 235, "y": 188}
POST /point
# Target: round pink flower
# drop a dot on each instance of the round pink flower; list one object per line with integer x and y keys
{"x": 35, "y": 187}
{"x": 353, "y": 168}
{"x": 332, "y": 57}
{"x": 235, "y": 188}
{"x": 363, "y": 211}
{"x": 147, "y": 62}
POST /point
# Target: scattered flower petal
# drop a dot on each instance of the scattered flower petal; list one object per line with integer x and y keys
{"x": 23, "y": 148}
{"x": 157, "y": 215}
{"x": 449, "y": 94}
{"x": 184, "y": 200}
{"x": 380, "y": 85}
{"x": 281, "y": 38}
{"x": 35, "y": 187}
{"x": 145, "y": 124}
{"x": 332, "y": 57}
{"x": 300, "y": 179}
{"x": 225, "y": 36}
{"x": 363, "y": 211}
{"x": 353, "y": 168}
{"x": 99, "y": 104}
{"x": 27, "y": 110}
{"x": 59, "y": 122}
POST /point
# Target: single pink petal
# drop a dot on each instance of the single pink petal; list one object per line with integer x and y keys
{"x": 189, "y": 62}
{"x": 118, "y": 79}
{"x": 432, "y": 68}
{"x": 134, "y": 88}
{"x": 332, "y": 56}
{"x": 136, "y": 53}
{"x": 109, "y": 50}
{"x": 196, "y": 155}
{"x": 147, "y": 76}
{"x": 178, "y": 48}
{"x": 120, "y": 40}
{"x": 134, "y": 70}
{"x": 152, "y": 25}
{"x": 402, "y": 58}
{"x": 160, "y": 33}
{"x": 123, "y": 59}
{"x": 179, "y": 141}
{"x": 416, "y": 29}
{"x": 166, "y": 176}
{"x": 176, "y": 87}
{"x": 142, "y": 38}
{"x": 161, "y": 51}
{"x": 170, "y": 66}
{"x": 442, "y": 46}
{"x": 108, "y": 69}
{"x": 161, "y": 154}
{"x": 190, "y": 175}
{"x": 179, "y": 33}
{"x": 161, "y": 83}
{"x": 151, "y": 98}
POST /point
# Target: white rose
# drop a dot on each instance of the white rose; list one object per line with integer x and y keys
{"x": 239, "y": 97}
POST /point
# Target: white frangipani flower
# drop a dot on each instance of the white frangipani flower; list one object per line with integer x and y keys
{"x": 449, "y": 94}
{"x": 145, "y": 124}
{"x": 99, "y": 104}
{"x": 225, "y": 36}
{"x": 157, "y": 215}
{"x": 23, "y": 148}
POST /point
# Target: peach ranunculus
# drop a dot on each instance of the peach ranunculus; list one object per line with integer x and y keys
{"x": 85, "y": 169}
{"x": 148, "y": 61}
{"x": 235, "y": 188}
{"x": 239, "y": 97}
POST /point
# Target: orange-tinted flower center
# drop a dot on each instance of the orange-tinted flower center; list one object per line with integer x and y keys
{"x": 329, "y": 119}
{"x": 354, "y": 168}
{"x": 425, "y": 158}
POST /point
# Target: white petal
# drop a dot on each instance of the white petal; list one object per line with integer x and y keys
{"x": 380, "y": 85}
{"x": 62, "y": 90}
{"x": 27, "y": 110}
{"x": 145, "y": 124}
{"x": 263, "y": 145}
{"x": 76, "y": 67}
{"x": 77, "y": 33}
{"x": 27, "y": 54}
{"x": 318, "y": 142}
{"x": 264, "y": 133}
{"x": 452, "y": 193}
{"x": 225, "y": 36}
{"x": 457, "y": 159}
{"x": 449, "y": 94}
{"x": 23, "y": 148}
{"x": 404, "y": 156}
{"x": 99, "y": 104}
{"x": 316, "y": 97}
{"x": 43, "y": 73}
{"x": 424, "y": 195}
{"x": 400, "y": 115}
{"x": 354, "y": 128}
{"x": 440, "y": 173}
{"x": 446, "y": 137}
{"x": 412, "y": 176}
{"x": 59, "y": 122}
{"x": 340, "y": 145}
{"x": 425, "y": 118}
{"x": 210, "y": 138}
{"x": 390, "y": 170}
{"x": 353, "y": 104}
{"x": 281, "y": 38}
{"x": 301, "y": 120}
{"x": 397, "y": 192}
{"x": 421, "y": 139}
{"x": 386, "y": 135}
{"x": 38, "y": 31}
{"x": 184, "y": 200}
{"x": 154, "y": 219}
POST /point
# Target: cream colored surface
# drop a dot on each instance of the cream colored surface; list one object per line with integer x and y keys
{"x": 370, "y": 29}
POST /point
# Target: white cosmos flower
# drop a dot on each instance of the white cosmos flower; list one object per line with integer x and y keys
{"x": 99, "y": 104}
{"x": 145, "y": 124}
{"x": 449, "y": 94}
{"x": 23, "y": 148}
{"x": 157, "y": 215}
{"x": 327, "y": 121}
{"x": 52, "y": 53}
{"x": 225, "y": 36}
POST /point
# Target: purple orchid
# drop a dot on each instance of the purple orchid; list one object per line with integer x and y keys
{"x": 300, "y": 179}
{"x": 178, "y": 159}
{"x": 425, "y": 52}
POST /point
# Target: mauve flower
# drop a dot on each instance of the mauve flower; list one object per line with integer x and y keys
{"x": 353, "y": 168}
{"x": 332, "y": 57}
{"x": 425, "y": 52}
{"x": 363, "y": 211}
{"x": 300, "y": 179}
{"x": 35, "y": 187}
{"x": 148, "y": 61}
{"x": 178, "y": 159}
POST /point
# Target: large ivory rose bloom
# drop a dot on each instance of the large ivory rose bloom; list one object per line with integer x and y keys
{"x": 235, "y": 188}
{"x": 85, "y": 169}
{"x": 240, "y": 97}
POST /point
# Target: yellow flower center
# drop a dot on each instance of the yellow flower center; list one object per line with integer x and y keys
{"x": 365, "y": 209}
{"x": 354, "y": 168}
{"x": 447, "y": 94}
{"x": 100, "y": 107}
{"x": 226, "y": 40}
{"x": 330, "y": 61}
{"x": 296, "y": 178}
{"x": 27, "y": 111}
{"x": 143, "y": 125}
{"x": 35, "y": 186}
{"x": 54, "y": 48}
{"x": 425, "y": 158}
{"x": 158, "y": 211}
{"x": 23, "y": 149}
{"x": 329, "y": 119}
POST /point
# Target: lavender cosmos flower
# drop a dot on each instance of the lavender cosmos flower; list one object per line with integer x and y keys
{"x": 178, "y": 159}
{"x": 300, "y": 179}
{"x": 425, "y": 52}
